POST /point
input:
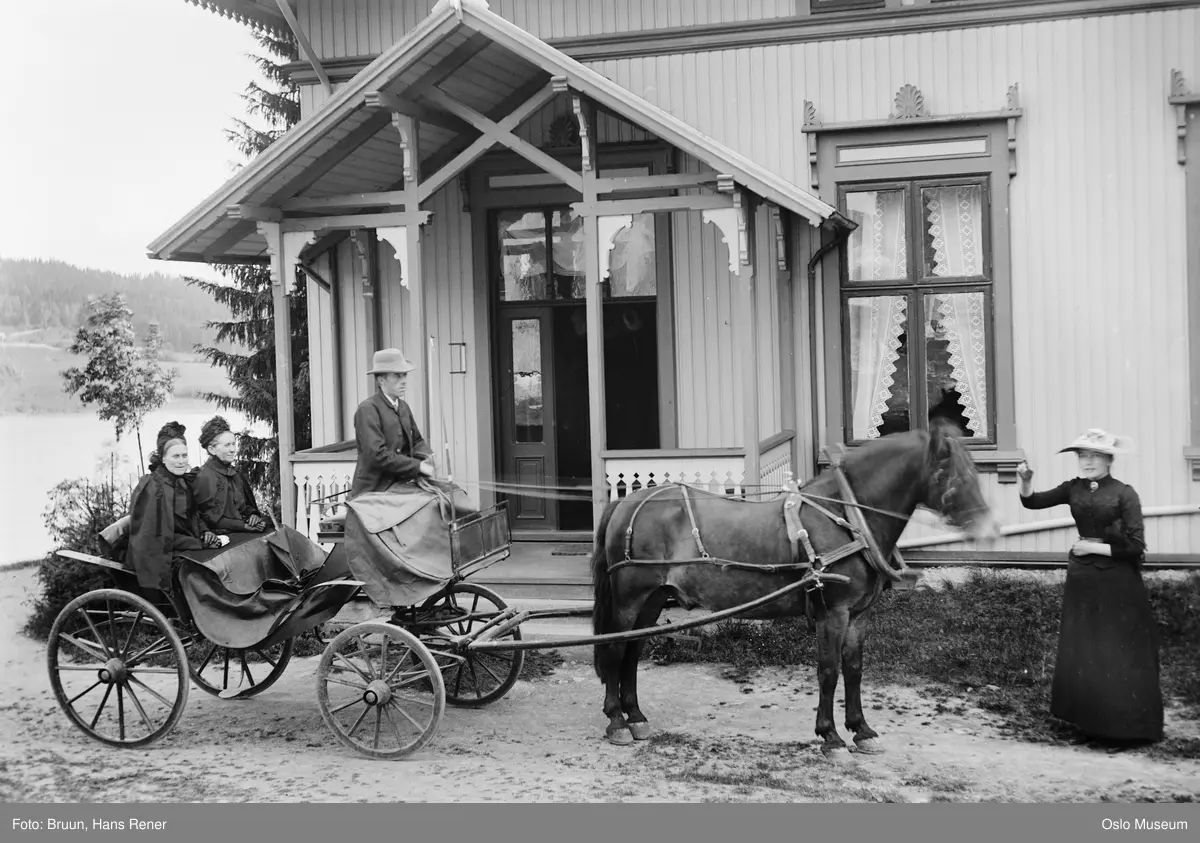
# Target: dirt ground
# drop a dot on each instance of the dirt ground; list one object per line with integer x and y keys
{"x": 716, "y": 740}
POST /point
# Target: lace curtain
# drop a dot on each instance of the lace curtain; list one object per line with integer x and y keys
{"x": 878, "y": 252}
{"x": 955, "y": 219}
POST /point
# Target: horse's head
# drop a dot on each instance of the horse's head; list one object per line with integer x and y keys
{"x": 952, "y": 483}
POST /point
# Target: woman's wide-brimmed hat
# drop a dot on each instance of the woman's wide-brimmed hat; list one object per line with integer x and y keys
{"x": 389, "y": 360}
{"x": 1100, "y": 441}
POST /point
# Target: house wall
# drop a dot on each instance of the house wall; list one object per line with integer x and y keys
{"x": 351, "y": 28}
{"x": 1096, "y": 210}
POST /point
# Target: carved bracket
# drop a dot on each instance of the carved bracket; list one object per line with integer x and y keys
{"x": 607, "y": 230}
{"x": 1181, "y": 98}
{"x": 811, "y": 124}
{"x": 1013, "y": 109}
{"x": 284, "y": 247}
{"x": 464, "y": 190}
{"x": 781, "y": 238}
{"x": 731, "y": 222}
{"x": 585, "y": 135}
{"x": 397, "y": 236}
{"x": 360, "y": 241}
{"x": 403, "y": 126}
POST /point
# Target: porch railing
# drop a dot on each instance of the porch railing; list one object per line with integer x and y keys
{"x": 718, "y": 470}
{"x": 322, "y": 477}
{"x": 775, "y": 461}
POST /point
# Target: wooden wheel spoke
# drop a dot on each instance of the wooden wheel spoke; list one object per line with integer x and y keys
{"x": 151, "y": 691}
{"x": 86, "y": 646}
{"x": 83, "y": 693}
{"x": 129, "y": 637}
{"x": 100, "y": 708}
{"x": 141, "y": 711}
{"x": 121, "y": 709}
{"x": 395, "y": 729}
{"x": 383, "y": 648}
{"x": 414, "y": 700}
{"x": 83, "y": 667}
{"x": 399, "y": 664}
{"x": 108, "y": 654}
{"x": 483, "y": 664}
{"x": 246, "y": 667}
{"x": 262, "y": 654}
{"x": 458, "y": 681}
{"x": 344, "y": 706}
{"x": 353, "y": 667}
{"x": 412, "y": 677}
{"x": 158, "y": 648}
{"x": 347, "y": 684}
{"x": 396, "y": 704}
{"x": 212, "y": 648}
{"x": 378, "y": 723}
{"x": 359, "y": 721}
{"x": 225, "y": 672}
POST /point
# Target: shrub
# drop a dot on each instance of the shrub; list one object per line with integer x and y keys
{"x": 79, "y": 509}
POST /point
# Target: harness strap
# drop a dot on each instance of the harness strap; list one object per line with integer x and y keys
{"x": 714, "y": 560}
{"x": 643, "y": 502}
{"x": 687, "y": 502}
{"x": 864, "y": 532}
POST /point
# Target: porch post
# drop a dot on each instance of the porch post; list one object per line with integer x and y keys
{"x": 284, "y": 250}
{"x": 747, "y": 328}
{"x": 585, "y": 113}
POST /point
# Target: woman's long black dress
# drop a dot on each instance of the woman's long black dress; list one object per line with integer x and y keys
{"x": 1106, "y": 676}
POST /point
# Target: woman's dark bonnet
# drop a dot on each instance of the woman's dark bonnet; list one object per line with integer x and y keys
{"x": 168, "y": 433}
{"x": 213, "y": 428}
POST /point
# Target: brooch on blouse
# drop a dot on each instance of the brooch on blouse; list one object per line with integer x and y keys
{"x": 1093, "y": 485}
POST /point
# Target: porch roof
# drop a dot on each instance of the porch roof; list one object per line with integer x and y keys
{"x": 460, "y": 50}
{"x": 260, "y": 15}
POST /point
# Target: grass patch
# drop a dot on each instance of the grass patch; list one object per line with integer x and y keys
{"x": 992, "y": 639}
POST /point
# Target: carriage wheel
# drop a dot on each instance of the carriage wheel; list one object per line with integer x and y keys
{"x": 118, "y": 668}
{"x": 226, "y": 672}
{"x": 380, "y": 690}
{"x": 474, "y": 680}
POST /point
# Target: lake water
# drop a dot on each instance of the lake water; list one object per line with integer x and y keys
{"x": 40, "y": 451}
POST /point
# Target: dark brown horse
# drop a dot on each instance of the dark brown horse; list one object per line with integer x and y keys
{"x": 888, "y": 478}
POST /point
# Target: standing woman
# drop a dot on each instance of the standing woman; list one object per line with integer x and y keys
{"x": 1106, "y": 676}
{"x": 164, "y": 522}
{"x": 223, "y": 494}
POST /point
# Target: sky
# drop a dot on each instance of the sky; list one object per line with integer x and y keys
{"x": 112, "y": 124}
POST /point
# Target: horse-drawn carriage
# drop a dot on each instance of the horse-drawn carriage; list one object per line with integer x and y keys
{"x": 121, "y": 659}
{"x": 825, "y": 549}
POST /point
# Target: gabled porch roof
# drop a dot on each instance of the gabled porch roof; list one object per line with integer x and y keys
{"x": 462, "y": 52}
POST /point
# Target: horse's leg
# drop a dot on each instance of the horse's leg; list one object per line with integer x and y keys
{"x": 612, "y": 660}
{"x": 831, "y": 632}
{"x": 852, "y": 664}
{"x": 638, "y": 725}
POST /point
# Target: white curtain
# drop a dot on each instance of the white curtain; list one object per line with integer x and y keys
{"x": 878, "y": 252}
{"x": 955, "y": 219}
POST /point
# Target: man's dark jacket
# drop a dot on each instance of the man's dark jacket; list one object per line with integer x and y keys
{"x": 390, "y": 446}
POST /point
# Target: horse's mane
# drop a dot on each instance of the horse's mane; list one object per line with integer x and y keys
{"x": 945, "y": 450}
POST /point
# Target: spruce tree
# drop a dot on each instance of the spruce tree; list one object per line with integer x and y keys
{"x": 244, "y": 345}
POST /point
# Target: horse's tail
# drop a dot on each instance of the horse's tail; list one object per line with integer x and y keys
{"x": 602, "y": 598}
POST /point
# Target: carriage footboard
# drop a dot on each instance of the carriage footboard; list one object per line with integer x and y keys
{"x": 480, "y": 539}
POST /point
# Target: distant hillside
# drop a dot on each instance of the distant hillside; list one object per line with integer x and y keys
{"x": 48, "y": 301}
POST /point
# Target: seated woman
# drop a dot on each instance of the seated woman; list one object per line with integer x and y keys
{"x": 164, "y": 521}
{"x": 223, "y": 494}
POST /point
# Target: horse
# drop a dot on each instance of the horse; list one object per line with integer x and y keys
{"x": 716, "y": 552}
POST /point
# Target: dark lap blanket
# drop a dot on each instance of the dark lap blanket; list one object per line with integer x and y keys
{"x": 398, "y": 543}
{"x": 263, "y": 589}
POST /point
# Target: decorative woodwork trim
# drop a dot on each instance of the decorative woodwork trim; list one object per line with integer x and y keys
{"x": 910, "y": 110}
{"x": 802, "y": 28}
{"x": 1181, "y": 98}
{"x": 731, "y": 222}
{"x": 608, "y": 227}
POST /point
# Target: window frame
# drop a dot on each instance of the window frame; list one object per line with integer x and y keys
{"x": 832, "y": 177}
{"x": 915, "y": 287}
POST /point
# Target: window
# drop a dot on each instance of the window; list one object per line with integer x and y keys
{"x": 542, "y": 257}
{"x": 917, "y": 302}
{"x": 916, "y": 297}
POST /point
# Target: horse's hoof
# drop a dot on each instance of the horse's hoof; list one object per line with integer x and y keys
{"x": 619, "y": 737}
{"x": 640, "y": 731}
{"x": 837, "y": 754}
{"x": 869, "y": 746}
